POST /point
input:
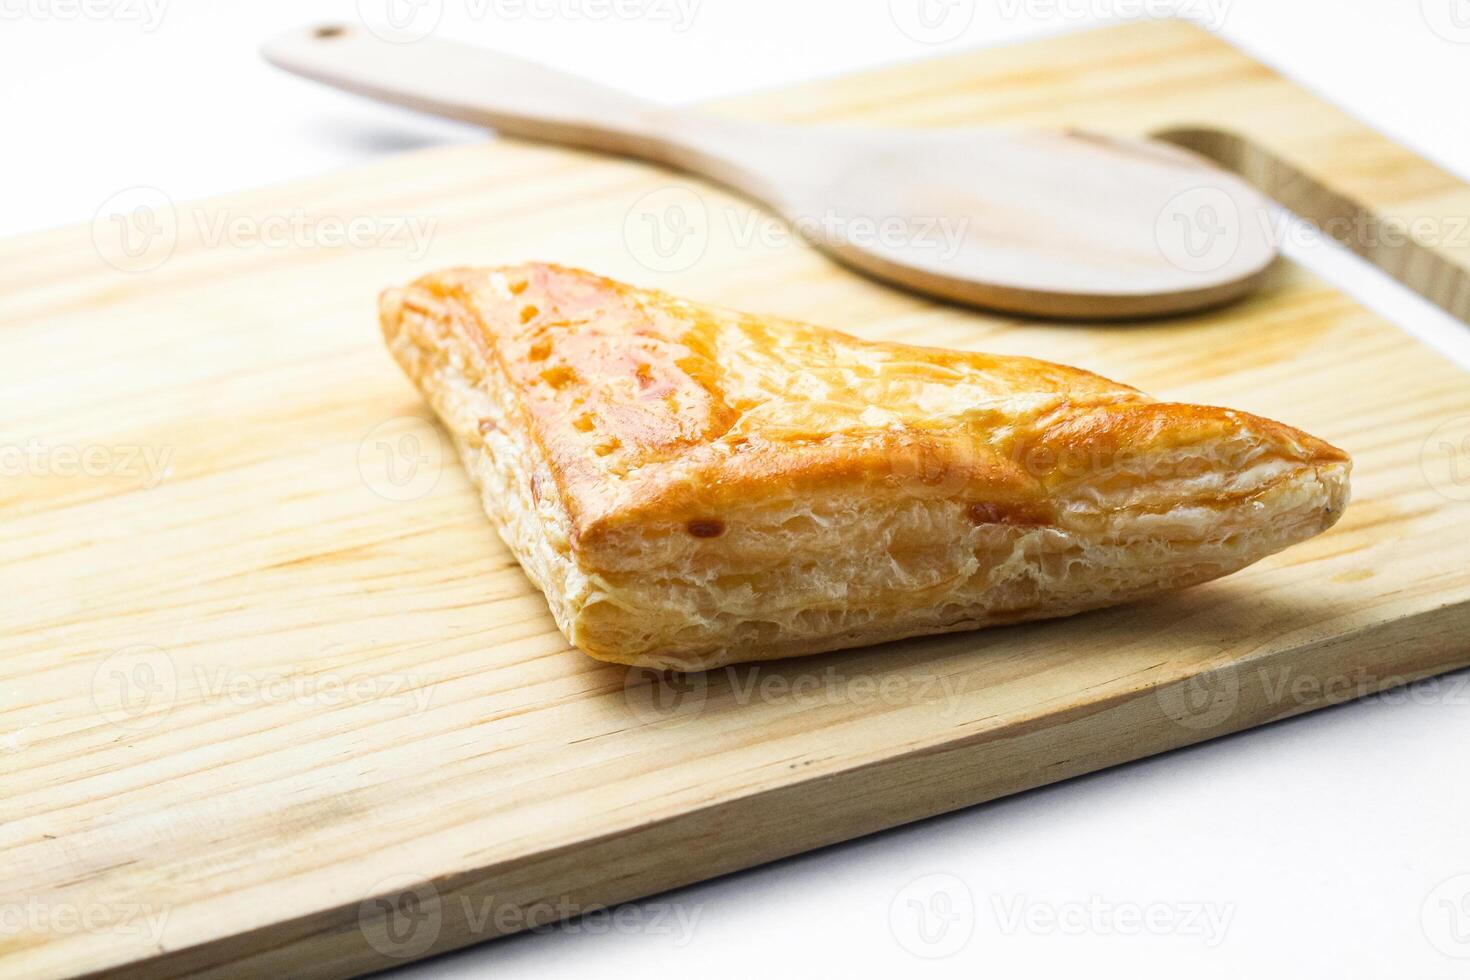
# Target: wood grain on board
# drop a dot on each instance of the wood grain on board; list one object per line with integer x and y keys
{"x": 274, "y": 698}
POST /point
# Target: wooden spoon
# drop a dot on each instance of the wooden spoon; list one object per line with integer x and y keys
{"x": 1051, "y": 224}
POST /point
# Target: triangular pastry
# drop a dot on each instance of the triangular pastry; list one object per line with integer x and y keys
{"x": 691, "y": 486}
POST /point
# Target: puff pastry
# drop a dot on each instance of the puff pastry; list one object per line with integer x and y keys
{"x": 692, "y": 486}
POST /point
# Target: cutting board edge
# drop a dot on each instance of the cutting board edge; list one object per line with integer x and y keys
{"x": 1338, "y": 669}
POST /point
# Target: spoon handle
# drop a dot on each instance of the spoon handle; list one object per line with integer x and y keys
{"x": 514, "y": 96}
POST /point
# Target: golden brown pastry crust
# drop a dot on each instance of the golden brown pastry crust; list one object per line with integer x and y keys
{"x": 692, "y": 486}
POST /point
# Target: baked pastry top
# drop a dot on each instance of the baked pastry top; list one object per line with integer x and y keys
{"x": 692, "y": 486}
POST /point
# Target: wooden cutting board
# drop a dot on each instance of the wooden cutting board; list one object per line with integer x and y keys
{"x": 275, "y": 700}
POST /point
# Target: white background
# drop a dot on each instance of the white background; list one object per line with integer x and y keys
{"x": 1312, "y": 848}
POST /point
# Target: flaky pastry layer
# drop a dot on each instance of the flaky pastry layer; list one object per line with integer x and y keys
{"x": 691, "y": 486}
